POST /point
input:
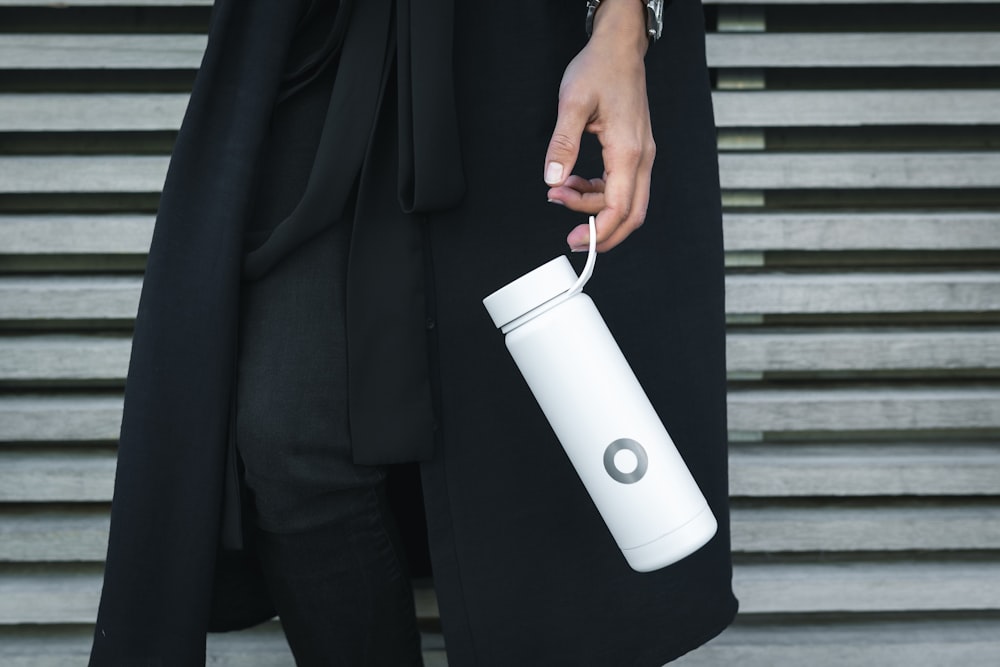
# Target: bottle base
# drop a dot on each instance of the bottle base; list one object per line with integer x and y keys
{"x": 673, "y": 546}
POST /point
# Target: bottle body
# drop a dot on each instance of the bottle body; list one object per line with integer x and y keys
{"x": 611, "y": 433}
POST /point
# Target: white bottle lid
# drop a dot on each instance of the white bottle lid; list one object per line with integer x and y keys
{"x": 540, "y": 286}
{"x": 530, "y": 291}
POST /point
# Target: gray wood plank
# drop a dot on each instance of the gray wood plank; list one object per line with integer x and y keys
{"x": 117, "y": 297}
{"x": 862, "y": 351}
{"x": 845, "y": 470}
{"x": 831, "y": 526}
{"x": 43, "y": 533}
{"x": 822, "y": 108}
{"x": 55, "y": 112}
{"x": 60, "y": 596}
{"x": 874, "y": 49}
{"x": 87, "y": 51}
{"x": 261, "y": 646}
{"x": 833, "y": 231}
{"x": 867, "y": 470}
{"x": 938, "y": 49}
{"x": 741, "y": 171}
{"x": 91, "y": 112}
{"x": 867, "y": 587}
{"x": 762, "y": 171}
{"x": 55, "y": 476}
{"x": 61, "y": 534}
{"x": 64, "y": 358}
{"x": 863, "y": 292}
{"x": 92, "y": 418}
{"x": 69, "y": 298}
{"x": 861, "y": 643}
{"x": 82, "y": 174}
{"x": 60, "y": 358}
{"x": 111, "y": 234}
{"x": 869, "y": 409}
{"x": 114, "y": 3}
{"x": 44, "y": 234}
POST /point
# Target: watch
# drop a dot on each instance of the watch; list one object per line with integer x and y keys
{"x": 654, "y": 17}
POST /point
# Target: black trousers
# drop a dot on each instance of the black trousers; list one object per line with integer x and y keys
{"x": 325, "y": 535}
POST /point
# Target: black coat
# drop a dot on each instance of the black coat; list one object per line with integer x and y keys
{"x": 525, "y": 571}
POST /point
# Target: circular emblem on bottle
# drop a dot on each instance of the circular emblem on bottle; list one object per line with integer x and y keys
{"x": 626, "y": 461}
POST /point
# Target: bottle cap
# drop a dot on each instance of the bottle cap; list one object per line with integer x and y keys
{"x": 540, "y": 286}
{"x": 530, "y": 291}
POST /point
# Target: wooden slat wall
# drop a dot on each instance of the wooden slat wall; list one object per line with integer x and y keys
{"x": 860, "y": 160}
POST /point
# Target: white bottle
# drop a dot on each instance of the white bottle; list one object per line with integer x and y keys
{"x": 610, "y": 431}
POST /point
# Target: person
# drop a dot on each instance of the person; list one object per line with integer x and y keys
{"x": 350, "y": 180}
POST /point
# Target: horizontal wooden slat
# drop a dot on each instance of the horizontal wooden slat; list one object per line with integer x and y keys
{"x": 43, "y": 234}
{"x": 756, "y": 471}
{"x": 915, "y": 643}
{"x": 60, "y": 419}
{"x": 945, "y": 49}
{"x": 868, "y": 409}
{"x": 60, "y": 358}
{"x": 112, "y": 3}
{"x": 867, "y": 587}
{"x": 45, "y": 533}
{"x": 46, "y": 596}
{"x": 56, "y": 476}
{"x": 130, "y": 234}
{"x": 838, "y": 2}
{"x": 69, "y": 594}
{"x": 764, "y": 171}
{"x": 945, "y": 230}
{"x": 828, "y": 527}
{"x": 846, "y": 470}
{"x": 117, "y": 297}
{"x": 72, "y": 51}
{"x": 855, "y": 108}
{"x": 261, "y": 646}
{"x": 64, "y": 535}
{"x": 121, "y": 112}
{"x": 875, "y": 49}
{"x": 102, "y": 298}
{"x": 862, "y": 351}
{"x": 923, "y": 643}
{"x": 742, "y": 171}
{"x": 75, "y": 234}
{"x": 863, "y": 292}
{"x": 82, "y": 174}
{"x": 91, "y": 112}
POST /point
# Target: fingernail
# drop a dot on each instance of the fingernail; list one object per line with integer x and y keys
{"x": 557, "y": 202}
{"x": 579, "y": 243}
{"x": 553, "y": 173}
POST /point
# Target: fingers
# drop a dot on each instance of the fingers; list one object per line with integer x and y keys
{"x": 628, "y": 161}
{"x": 564, "y": 146}
{"x": 580, "y": 195}
{"x": 627, "y": 204}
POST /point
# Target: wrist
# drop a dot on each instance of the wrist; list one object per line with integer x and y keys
{"x": 622, "y": 22}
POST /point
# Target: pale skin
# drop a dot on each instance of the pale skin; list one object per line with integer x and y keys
{"x": 603, "y": 92}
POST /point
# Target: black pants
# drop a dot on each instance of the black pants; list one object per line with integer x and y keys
{"x": 341, "y": 589}
{"x": 326, "y": 538}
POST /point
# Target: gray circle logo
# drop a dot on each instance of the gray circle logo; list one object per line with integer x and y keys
{"x": 612, "y": 461}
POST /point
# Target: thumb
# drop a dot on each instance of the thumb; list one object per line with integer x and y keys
{"x": 564, "y": 146}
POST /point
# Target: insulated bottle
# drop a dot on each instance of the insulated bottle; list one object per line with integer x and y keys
{"x": 601, "y": 416}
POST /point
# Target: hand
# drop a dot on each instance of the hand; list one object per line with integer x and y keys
{"x": 603, "y": 92}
